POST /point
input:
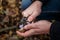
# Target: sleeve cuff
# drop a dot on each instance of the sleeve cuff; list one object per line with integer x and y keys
{"x": 55, "y": 31}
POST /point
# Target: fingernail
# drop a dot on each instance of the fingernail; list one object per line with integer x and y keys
{"x": 30, "y": 19}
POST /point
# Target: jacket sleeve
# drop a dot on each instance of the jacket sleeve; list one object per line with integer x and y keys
{"x": 55, "y": 31}
{"x": 25, "y": 4}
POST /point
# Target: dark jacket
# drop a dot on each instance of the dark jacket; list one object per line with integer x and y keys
{"x": 53, "y": 8}
{"x": 55, "y": 31}
{"x": 50, "y": 10}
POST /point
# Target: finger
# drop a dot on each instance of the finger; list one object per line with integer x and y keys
{"x": 38, "y": 31}
{"x": 30, "y": 26}
{"x": 26, "y": 34}
{"x": 30, "y": 18}
{"x": 27, "y": 12}
{"x": 34, "y": 15}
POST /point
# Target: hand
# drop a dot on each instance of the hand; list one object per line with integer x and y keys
{"x": 40, "y": 27}
{"x": 33, "y": 11}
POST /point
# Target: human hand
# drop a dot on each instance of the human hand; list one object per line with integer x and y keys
{"x": 33, "y": 11}
{"x": 40, "y": 27}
